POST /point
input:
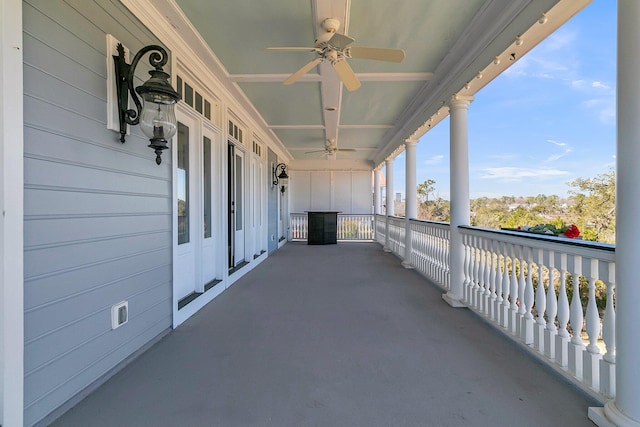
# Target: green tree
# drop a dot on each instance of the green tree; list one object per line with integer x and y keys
{"x": 594, "y": 206}
{"x": 521, "y": 216}
{"x": 436, "y": 209}
{"x": 425, "y": 189}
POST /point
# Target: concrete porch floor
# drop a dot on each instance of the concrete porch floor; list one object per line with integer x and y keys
{"x": 337, "y": 335}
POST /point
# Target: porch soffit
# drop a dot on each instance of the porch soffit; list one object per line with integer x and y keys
{"x": 447, "y": 42}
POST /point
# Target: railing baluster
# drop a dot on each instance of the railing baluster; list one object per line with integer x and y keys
{"x": 466, "y": 287}
{"x": 506, "y": 283}
{"x": 522, "y": 285}
{"x": 576, "y": 345}
{"x": 591, "y": 357}
{"x": 552, "y": 310}
{"x": 562, "y": 339}
{"x": 526, "y": 332}
{"x": 476, "y": 271}
{"x": 608, "y": 362}
{"x": 541, "y": 305}
{"x": 497, "y": 292}
{"x": 515, "y": 292}
{"x": 487, "y": 277}
{"x": 482, "y": 303}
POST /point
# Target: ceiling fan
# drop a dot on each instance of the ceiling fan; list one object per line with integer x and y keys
{"x": 332, "y": 148}
{"x": 334, "y": 48}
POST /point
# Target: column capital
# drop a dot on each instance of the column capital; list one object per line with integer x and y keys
{"x": 460, "y": 101}
{"x": 410, "y": 141}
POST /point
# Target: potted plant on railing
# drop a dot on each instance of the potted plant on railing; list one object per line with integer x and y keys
{"x": 568, "y": 231}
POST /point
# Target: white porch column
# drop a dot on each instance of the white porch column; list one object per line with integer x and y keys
{"x": 390, "y": 203}
{"x": 11, "y": 204}
{"x": 377, "y": 203}
{"x": 411, "y": 191}
{"x": 625, "y": 409}
{"x": 460, "y": 208}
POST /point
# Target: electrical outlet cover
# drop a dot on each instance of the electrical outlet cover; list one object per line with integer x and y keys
{"x": 119, "y": 314}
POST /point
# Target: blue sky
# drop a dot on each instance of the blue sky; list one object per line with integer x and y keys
{"x": 550, "y": 118}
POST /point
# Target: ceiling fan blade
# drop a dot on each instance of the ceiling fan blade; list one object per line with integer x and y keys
{"x": 340, "y": 41}
{"x": 377, "y": 53}
{"x": 302, "y": 71}
{"x": 347, "y": 75}
{"x": 290, "y": 49}
{"x": 346, "y": 149}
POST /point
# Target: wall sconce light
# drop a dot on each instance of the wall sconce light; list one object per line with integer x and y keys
{"x": 282, "y": 176}
{"x": 156, "y": 114}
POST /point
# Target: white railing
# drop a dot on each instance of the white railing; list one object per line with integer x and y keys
{"x": 572, "y": 331}
{"x": 430, "y": 250}
{"x": 298, "y": 226}
{"x": 396, "y": 236}
{"x": 381, "y": 228}
{"x": 350, "y": 227}
{"x": 355, "y": 227}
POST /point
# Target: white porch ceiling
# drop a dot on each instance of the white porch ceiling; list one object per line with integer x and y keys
{"x": 447, "y": 42}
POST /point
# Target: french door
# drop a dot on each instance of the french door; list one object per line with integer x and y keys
{"x": 236, "y": 206}
{"x": 196, "y": 264}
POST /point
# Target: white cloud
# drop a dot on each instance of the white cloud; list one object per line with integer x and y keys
{"x": 434, "y": 160}
{"x": 600, "y": 85}
{"x": 558, "y": 156}
{"x": 578, "y": 84}
{"x": 518, "y": 174}
{"x": 558, "y": 143}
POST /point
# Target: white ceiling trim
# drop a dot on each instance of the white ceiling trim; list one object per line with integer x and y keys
{"x": 320, "y": 150}
{"x": 394, "y": 77}
{"x": 302, "y": 127}
{"x": 366, "y": 126}
{"x": 271, "y": 78}
{"x": 364, "y": 77}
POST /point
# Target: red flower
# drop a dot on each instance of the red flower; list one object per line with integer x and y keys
{"x": 572, "y": 232}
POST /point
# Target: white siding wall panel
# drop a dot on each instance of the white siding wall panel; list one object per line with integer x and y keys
{"x": 320, "y": 191}
{"x": 300, "y": 191}
{"x": 362, "y": 190}
{"x": 350, "y": 192}
{"x": 343, "y": 192}
{"x": 97, "y": 212}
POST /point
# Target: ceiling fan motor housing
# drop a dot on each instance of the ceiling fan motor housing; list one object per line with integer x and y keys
{"x": 331, "y": 25}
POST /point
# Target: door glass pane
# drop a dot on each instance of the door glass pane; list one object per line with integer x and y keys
{"x": 238, "y": 193}
{"x": 182, "y": 172}
{"x": 206, "y": 149}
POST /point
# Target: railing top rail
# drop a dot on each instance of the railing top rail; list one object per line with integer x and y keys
{"x": 584, "y": 248}
{"x": 339, "y": 214}
{"x": 430, "y": 222}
